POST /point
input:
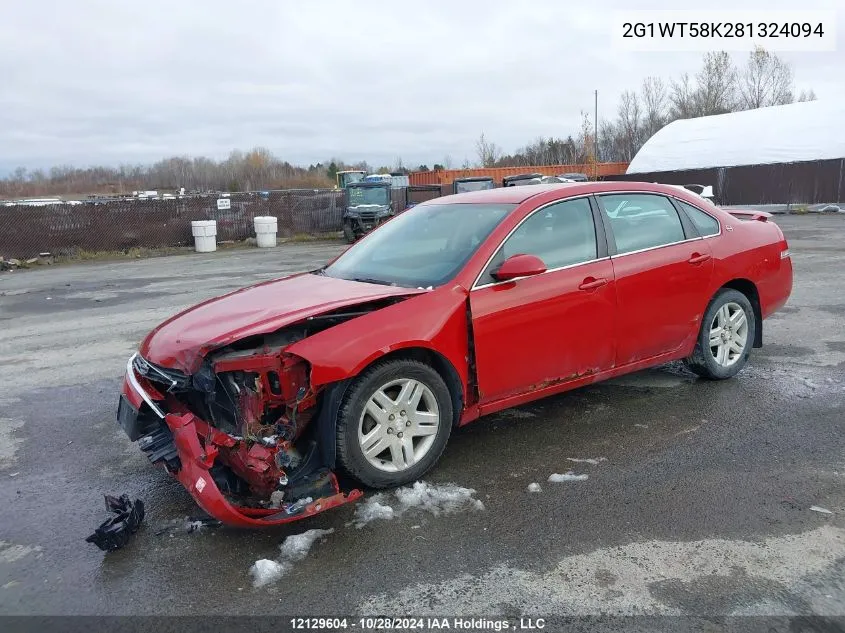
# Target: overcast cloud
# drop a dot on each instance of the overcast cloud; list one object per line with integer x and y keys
{"x": 108, "y": 82}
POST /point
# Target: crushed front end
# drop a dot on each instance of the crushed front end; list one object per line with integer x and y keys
{"x": 236, "y": 433}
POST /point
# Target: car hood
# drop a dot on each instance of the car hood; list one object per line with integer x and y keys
{"x": 184, "y": 339}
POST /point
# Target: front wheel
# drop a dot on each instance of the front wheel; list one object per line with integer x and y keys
{"x": 393, "y": 423}
{"x": 348, "y": 232}
{"x": 726, "y": 336}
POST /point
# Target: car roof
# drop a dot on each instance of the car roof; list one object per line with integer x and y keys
{"x": 515, "y": 195}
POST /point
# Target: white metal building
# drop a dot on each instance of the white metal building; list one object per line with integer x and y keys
{"x": 807, "y": 131}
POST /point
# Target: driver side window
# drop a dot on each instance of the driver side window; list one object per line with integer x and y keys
{"x": 561, "y": 234}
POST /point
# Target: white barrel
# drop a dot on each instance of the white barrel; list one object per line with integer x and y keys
{"x": 266, "y": 228}
{"x": 205, "y": 235}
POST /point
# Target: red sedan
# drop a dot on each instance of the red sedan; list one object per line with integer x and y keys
{"x": 462, "y": 306}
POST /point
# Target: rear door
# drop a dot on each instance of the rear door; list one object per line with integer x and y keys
{"x": 553, "y": 327}
{"x": 662, "y": 270}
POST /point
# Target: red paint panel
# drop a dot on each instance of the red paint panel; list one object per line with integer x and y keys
{"x": 434, "y": 320}
{"x": 181, "y": 341}
{"x": 661, "y": 296}
{"x": 545, "y": 329}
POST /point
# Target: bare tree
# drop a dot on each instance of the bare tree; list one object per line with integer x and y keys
{"x": 654, "y": 99}
{"x": 683, "y": 101}
{"x": 766, "y": 80}
{"x": 806, "y": 95}
{"x": 487, "y": 151}
{"x": 716, "y": 85}
{"x": 630, "y": 124}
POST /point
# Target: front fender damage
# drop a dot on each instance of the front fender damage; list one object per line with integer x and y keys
{"x": 247, "y": 434}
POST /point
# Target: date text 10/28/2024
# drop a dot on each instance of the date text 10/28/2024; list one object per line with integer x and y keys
{"x": 378, "y": 623}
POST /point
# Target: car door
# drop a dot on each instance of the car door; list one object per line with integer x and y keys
{"x": 553, "y": 327}
{"x": 662, "y": 270}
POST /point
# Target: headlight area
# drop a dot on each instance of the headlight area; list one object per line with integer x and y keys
{"x": 241, "y": 428}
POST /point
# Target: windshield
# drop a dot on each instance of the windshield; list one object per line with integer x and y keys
{"x": 350, "y": 177}
{"x": 368, "y": 195}
{"x": 424, "y": 246}
{"x": 473, "y": 185}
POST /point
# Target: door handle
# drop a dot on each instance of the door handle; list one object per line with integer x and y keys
{"x": 698, "y": 258}
{"x": 591, "y": 283}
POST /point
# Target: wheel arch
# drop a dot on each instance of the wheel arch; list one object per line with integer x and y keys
{"x": 749, "y": 289}
{"x": 332, "y": 396}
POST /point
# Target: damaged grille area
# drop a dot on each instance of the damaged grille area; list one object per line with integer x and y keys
{"x": 249, "y": 407}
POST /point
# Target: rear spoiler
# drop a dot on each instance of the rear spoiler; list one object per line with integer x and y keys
{"x": 749, "y": 215}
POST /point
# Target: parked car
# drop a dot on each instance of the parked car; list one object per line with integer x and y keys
{"x": 471, "y": 183}
{"x": 459, "y": 307}
{"x": 521, "y": 179}
{"x": 574, "y": 177}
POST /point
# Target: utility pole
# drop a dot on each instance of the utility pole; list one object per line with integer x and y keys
{"x": 596, "y": 138}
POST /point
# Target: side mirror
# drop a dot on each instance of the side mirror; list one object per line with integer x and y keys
{"x": 519, "y": 266}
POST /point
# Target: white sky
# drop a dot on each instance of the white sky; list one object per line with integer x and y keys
{"x": 107, "y": 82}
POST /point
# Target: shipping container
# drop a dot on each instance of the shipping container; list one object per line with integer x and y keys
{"x": 445, "y": 177}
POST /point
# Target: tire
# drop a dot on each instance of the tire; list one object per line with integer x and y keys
{"x": 730, "y": 355}
{"x": 398, "y": 450}
{"x": 348, "y": 233}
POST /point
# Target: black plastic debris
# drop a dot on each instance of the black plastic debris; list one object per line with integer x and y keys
{"x": 195, "y": 524}
{"x": 115, "y": 531}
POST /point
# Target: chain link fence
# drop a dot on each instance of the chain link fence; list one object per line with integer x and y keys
{"x": 119, "y": 225}
{"x": 127, "y": 223}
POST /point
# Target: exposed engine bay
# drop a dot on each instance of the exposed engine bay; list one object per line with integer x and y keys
{"x": 242, "y": 422}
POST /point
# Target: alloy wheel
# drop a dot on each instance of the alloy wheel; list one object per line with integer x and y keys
{"x": 398, "y": 425}
{"x": 728, "y": 334}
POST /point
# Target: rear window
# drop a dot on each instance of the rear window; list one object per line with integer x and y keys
{"x": 641, "y": 221}
{"x": 706, "y": 224}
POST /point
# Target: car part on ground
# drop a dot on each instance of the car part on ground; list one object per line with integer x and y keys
{"x": 253, "y": 400}
{"x": 115, "y": 532}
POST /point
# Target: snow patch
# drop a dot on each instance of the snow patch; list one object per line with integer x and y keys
{"x": 572, "y": 585}
{"x": 594, "y": 461}
{"x": 433, "y": 498}
{"x": 535, "y": 487}
{"x": 296, "y": 547}
{"x": 9, "y": 442}
{"x": 557, "y": 478}
{"x": 266, "y": 571}
{"x": 372, "y": 510}
{"x": 293, "y": 549}
{"x": 10, "y": 552}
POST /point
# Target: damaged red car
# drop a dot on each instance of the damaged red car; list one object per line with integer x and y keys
{"x": 281, "y": 400}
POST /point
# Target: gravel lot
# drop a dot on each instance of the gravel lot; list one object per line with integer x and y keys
{"x": 701, "y": 506}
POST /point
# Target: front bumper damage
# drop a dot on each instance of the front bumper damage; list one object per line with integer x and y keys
{"x": 266, "y": 471}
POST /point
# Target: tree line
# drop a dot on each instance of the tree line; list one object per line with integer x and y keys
{"x": 719, "y": 86}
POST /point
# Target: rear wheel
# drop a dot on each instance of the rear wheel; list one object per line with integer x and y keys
{"x": 726, "y": 336}
{"x": 393, "y": 423}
